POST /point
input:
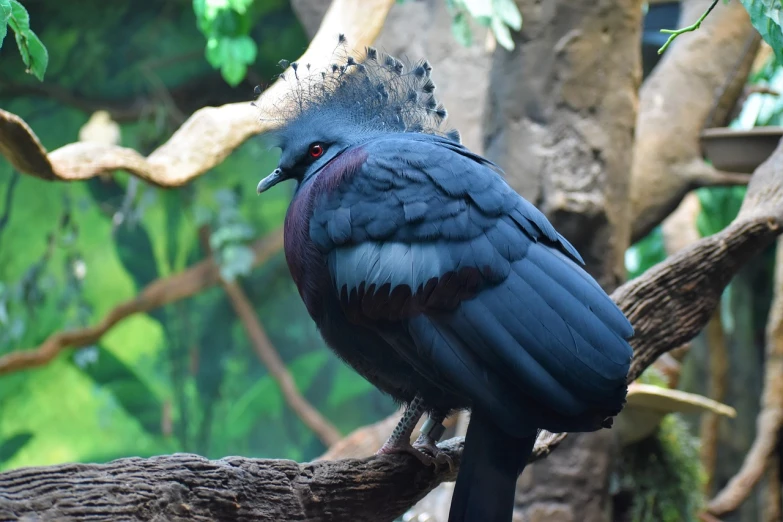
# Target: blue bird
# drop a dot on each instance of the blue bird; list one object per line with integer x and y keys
{"x": 444, "y": 288}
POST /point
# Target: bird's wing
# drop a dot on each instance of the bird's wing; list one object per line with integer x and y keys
{"x": 425, "y": 232}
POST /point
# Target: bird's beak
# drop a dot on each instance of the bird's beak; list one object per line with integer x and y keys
{"x": 270, "y": 181}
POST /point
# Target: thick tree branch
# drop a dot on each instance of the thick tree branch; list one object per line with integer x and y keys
{"x": 675, "y": 299}
{"x": 696, "y": 85}
{"x": 770, "y": 419}
{"x": 158, "y": 293}
{"x": 263, "y": 347}
{"x": 207, "y": 137}
{"x": 189, "y": 487}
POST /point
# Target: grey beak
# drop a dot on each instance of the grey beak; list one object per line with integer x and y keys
{"x": 270, "y": 181}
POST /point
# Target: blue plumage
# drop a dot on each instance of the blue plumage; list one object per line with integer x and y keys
{"x": 437, "y": 282}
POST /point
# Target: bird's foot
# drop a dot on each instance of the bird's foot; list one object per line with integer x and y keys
{"x": 390, "y": 448}
{"x": 427, "y": 445}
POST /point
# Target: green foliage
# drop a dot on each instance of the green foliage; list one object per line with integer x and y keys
{"x": 226, "y": 24}
{"x": 766, "y": 16}
{"x": 12, "y": 445}
{"x": 34, "y": 54}
{"x": 654, "y": 376}
{"x": 133, "y": 395}
{"x": 645, "y": 253}
{"x": 664, "y": 474}
{"x": 499, "y": 15}
{"x": 719, "y": 207}
{"x": 230, "y": 234}
{"x": 182, "y": 377}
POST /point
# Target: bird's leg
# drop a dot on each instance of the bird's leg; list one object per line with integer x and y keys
{"x": 429, "y": 435}
{"x": 400, "y": 440}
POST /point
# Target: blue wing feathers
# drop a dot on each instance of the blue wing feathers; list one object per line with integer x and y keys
{"x": 447, "y": 234}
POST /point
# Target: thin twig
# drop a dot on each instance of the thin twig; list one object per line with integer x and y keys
{"x": 674, "y": 33}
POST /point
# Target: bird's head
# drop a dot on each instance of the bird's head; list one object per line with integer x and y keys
{"x": 353, "y": 101}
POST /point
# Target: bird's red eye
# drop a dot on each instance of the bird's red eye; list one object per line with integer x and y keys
{"x": 316, "y": 150}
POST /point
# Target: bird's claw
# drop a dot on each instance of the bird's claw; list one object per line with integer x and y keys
{"x": 426, "y": 445}
{"x": 406, "y": 447}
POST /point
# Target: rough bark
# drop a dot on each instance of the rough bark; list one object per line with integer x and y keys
{"x": 560, "y": 121}
{"x": 696, "y": 84}
{"x": 188, "y": 487}
{"x": 690, "y": 293}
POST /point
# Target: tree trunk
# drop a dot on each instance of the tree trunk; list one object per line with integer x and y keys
{"x": 560, "y": 121}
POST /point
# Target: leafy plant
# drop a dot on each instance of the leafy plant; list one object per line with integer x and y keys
{"x": 645, "y": 253}
{"x": 664, "y": 474}
{"x": 499, "y": 15}
{"x": 719, "y": 207}
{"x": 12, "y": 445}
{"x": 765, "y": 15}
{"x": 230, "y": 235}
{"x": 130, "y": 392}
{"x": 227, "y": 25}
{"x": 34, "y": 54}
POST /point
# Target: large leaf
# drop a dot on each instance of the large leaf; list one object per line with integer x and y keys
{"x": 33, "y": 52}
{"x": 766, "y": 16}
{"x": 10, "y": 447}
{"x": 5, "y": 14}
{"x": 133, "y": 395}
{"x": 263, "y": 398}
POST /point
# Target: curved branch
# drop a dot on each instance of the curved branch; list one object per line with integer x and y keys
{"x": 311, "y": 417}
{"x": 158, "y": 293}
{"x": 206, "y": 138}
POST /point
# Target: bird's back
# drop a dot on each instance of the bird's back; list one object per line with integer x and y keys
{"x": 468, "y": 283}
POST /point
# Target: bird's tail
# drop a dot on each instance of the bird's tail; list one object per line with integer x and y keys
{"x": 491, "y": 463}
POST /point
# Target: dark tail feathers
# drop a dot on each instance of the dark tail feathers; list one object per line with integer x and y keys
{"x": 491, "y": 463}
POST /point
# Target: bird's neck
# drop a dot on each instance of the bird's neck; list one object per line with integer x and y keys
{"x": 306, "y": 263}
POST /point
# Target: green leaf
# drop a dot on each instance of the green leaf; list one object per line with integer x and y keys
{"x": 232, "y": 55}
{"x": 508, "y": 12}
{"x": 20, "y": 19}
{"x": 347, "y": 385}
{"x": 478, "y": 8}
{"x": 502, "y": 34}
{"x": 235, "y": 260}
{"x": 5, "y": 14}
{"x": 460, "y": 28}
{"x": 34, "y": 54}
{"x": 766, "y": 16}
{"x": 305, "y": 367}
{"x": 132, "y": 394}
{"x": 240, "y": 6}
{"x": 10, "y": 447}
{"x": 39, "y": 56}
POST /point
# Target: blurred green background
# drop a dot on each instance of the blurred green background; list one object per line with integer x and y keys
{"x": 184, "y": 377}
